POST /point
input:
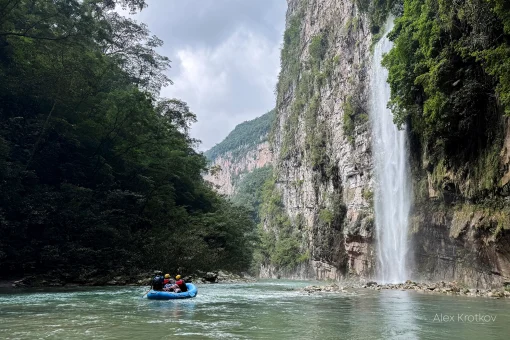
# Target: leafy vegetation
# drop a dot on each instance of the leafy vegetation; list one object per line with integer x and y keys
{"x": 328, "y": 233}
{"x": 280, "y": 237}
{"x": 245, "y": 136}
{"x": 98, "y": 175}
{"x": 378, "y": 11}
{"x": 289, "y": 59}
{"x": 249, "y": 190}
{"x": 354, "y": 115}
{"x": 450, "y": 83}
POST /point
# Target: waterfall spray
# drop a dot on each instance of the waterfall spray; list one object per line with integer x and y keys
{"x": 393, "y": 190}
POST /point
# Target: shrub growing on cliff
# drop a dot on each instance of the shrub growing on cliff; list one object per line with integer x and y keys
{"x": 448, "y": 77}
{"x": 280, "y": 238}
{"x": 378, "y": 11}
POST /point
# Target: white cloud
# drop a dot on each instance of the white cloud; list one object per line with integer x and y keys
{"x": 228, "y": 84}
{"x": 225, "y": 58}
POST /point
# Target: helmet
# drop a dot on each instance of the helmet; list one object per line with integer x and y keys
{"x": 167, "y": 276}
{"x": 177, "y": 277}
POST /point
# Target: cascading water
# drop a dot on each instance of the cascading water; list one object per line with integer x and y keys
{"x": 393, "y": 190}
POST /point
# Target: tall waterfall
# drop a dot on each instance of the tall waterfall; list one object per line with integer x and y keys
{"x": 393, "y": 190}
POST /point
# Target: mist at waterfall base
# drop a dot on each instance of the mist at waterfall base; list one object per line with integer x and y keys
{"x": 392, "y": 189}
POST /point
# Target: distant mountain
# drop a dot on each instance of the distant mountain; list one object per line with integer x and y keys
{"x": 245, "y": 136}
{"x": 245, "y": 149}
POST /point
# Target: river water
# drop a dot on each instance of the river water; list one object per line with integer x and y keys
{"x": 261, "y": 310}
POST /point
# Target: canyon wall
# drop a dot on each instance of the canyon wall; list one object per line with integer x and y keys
{"x": 322, "y": 147}
{"x": 317, "y": 215}
{"x": 458, "y": 233}
{"x": 228, "y": 170}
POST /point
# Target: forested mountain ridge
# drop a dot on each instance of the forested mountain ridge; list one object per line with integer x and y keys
{"x": 245, "y": 149}
{"x": 244, "y": 137}
{"x": 98, "y": 175}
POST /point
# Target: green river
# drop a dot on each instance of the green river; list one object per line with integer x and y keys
{"x": 261, "y": 310}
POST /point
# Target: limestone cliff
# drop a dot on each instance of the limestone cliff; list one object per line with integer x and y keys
{"x": 246, "y": 148}
{"x": 461, "y": 233}
{"x": 319, "y": 210}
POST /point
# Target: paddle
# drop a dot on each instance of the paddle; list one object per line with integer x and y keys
{"x": 147, "y": 292}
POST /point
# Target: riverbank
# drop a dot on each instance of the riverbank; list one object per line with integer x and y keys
{"x": 448, "y": 288}
{"x": 139, "y": 279}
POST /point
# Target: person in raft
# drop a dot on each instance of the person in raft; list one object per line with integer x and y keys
{"x": 169, "y": 285}
{"x": 180, "y": 282}
{"x": 167, "y": 279}
{"x": 157, "y": 282}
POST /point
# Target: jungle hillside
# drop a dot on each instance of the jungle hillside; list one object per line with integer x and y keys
{"x": 98, "y": 173}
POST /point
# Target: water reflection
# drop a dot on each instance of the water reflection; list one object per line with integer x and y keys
{"x": 399, "y": 310}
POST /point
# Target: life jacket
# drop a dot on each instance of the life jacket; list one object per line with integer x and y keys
{"x": 182, "y": 285}
{"x": 169, "y": 281}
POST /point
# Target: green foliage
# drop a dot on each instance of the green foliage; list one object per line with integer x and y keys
{"x": 307, "y": 81}
{"x": 287, "y": 79}
{"x": 352, "y": 25}
{"x": 353, "y": 115}
{"x": 244, "y": 137}
{"x": 97, "y": 174}
{"x": 317, "y": 49}
{"x": 493, "y": 216}
{"x": 307, "y": 103}
{"x": 249, "y": 190}
{"x": 497, "y": 63}
{"x": 328, "y": 234}
{"x": 368, "y": 195}
{"x": 378, "y": 12}
{"x": 326, "y": 216}
{"x": 289, "y": 59}
{"x": 448, "y": 73}
{"x": 280, "y": 238}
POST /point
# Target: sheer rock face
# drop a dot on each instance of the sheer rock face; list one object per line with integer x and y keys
{"x": 460, "y": 243}
{"x": 230, "y": 169}
{"x": 457, "y": 237}
{"x": 339, "y": 248}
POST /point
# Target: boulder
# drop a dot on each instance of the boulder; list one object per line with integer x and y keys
{"x": 497, "y": 294}
{"x": 211, "y": 277}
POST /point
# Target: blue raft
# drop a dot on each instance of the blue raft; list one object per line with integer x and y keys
{"x": 162, "y": 295}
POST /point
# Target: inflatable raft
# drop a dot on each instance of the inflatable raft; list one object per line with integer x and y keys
{"x": 162, "y": 295}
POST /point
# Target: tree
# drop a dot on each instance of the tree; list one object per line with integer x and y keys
{"x": 98, "y": 175}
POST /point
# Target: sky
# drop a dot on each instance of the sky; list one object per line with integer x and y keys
{"x": 225, "y": 58}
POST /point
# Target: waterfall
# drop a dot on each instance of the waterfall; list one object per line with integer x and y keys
{"x": 393, "y": 190}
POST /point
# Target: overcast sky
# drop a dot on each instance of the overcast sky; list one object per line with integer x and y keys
{"x": 225, "y": 58}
